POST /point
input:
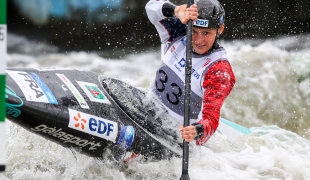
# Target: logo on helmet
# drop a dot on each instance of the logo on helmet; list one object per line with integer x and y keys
{"x": 221, "y": 20}
{"x": 201, "y": 23}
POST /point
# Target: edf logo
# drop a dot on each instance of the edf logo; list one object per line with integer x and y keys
{"x": 93, "y": 125}
{"x": 202, "y": 23}
{"x": 100, "y": 126}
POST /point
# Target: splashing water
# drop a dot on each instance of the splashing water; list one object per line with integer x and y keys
{"x": 271, "y": 96}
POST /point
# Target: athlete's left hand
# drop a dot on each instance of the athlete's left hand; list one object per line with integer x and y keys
{"x": 188, "y": 133}
{"x": 185, "y": 14}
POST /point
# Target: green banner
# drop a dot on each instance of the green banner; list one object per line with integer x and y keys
{"x": 2, "y": 11}
{"x": 2, "y": 98}
{"x": 3, "y": 51}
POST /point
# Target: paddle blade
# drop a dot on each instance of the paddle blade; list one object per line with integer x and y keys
{"x": 232, "y": 130}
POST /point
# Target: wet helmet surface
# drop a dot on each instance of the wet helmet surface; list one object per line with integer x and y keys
{"x": 211, "y": 14}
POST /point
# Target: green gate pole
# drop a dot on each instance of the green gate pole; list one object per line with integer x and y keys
{"x": 3, "y": 54}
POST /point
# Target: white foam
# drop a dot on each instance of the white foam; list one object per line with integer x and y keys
{"x": 266, "y": 93}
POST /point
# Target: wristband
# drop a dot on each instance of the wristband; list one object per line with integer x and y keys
{"x": 168, "y": 9}
{"x": 199, "y": 130}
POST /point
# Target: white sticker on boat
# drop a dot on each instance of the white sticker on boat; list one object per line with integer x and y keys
{"x": 74, "y": 91}
{"x": 33, "y": 87}
{"x": 93, "y": 92}
{"x": 93, "y": 125}
{"x": 52, "y": 69}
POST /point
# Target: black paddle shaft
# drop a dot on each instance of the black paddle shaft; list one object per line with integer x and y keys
{"x": 188, "y": 72}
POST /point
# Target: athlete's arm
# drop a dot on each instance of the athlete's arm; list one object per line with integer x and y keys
{"x": 218, "y": 83}
{"x": 161, "y": 15}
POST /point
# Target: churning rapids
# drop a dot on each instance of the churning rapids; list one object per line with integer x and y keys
{"x": 271, "y": 96}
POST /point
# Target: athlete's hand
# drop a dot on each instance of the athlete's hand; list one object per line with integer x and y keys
{"x": 185, "y": 14}
{"x": 188, "y": 133}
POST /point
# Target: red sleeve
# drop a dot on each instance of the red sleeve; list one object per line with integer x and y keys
{"x": 218, "y": 83}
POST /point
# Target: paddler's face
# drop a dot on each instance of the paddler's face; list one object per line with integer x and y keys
{"x": 203, "y": 38}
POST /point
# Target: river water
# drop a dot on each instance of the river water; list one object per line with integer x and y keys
{"x": 271, "y": 96}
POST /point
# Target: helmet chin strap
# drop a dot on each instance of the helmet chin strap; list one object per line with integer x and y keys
{"x": 217, "y": 34}
{"x": 217, "y": 37}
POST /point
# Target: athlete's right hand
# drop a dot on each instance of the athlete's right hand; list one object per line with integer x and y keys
{"x": 185, "y": 14}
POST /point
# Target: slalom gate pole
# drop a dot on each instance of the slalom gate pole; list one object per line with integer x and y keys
{"x": 188, "y": 72}
{"x": 3, "y": 54}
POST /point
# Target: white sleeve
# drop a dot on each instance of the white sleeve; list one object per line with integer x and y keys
{"x": 155, "y": 15}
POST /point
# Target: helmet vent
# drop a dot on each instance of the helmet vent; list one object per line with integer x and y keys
{"x": 214, "y": 12}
